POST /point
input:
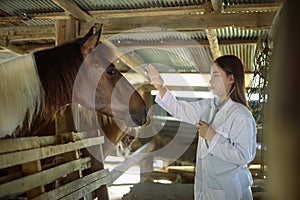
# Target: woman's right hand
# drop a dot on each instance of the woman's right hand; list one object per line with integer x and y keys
{"x": 155, "y": 77}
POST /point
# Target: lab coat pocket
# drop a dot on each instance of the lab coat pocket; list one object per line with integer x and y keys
{"x": 216, "y": 194}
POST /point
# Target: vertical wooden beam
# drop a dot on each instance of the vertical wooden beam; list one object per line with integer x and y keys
{"x": 85, "y": 120}
{"x": 275, "y": 26}
{"x": 64, "y": 123}
{"x": 32, "y": 168}
{"x": 65, "y": 30}
{"x": 97, "y": 163}
{"x": 216, "y": 7}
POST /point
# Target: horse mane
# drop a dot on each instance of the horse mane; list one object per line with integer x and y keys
{"x": 21, "y": 93}
{"x": 57, "y": 69}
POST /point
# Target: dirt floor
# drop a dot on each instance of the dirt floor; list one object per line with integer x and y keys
{"x": 153, "y": 191}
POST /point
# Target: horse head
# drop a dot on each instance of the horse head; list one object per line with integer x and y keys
{"x": 101, "y": 87}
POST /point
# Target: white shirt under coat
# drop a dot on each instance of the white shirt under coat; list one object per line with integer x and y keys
{"x": 221, "y": 169}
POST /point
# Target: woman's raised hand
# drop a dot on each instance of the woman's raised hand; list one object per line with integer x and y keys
{"x": 155, "y": 77}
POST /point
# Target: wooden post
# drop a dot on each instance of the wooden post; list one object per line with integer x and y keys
{"x": 65, "y": 30}
{"x": 65, "y": 123}
{"x": 32, "y": 168}
{"x": 95, "y": 152}
{"x": 211, "y": 34}
{"x": 97, "y": 163}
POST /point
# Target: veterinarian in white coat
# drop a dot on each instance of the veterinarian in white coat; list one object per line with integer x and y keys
{"x": 226, "y": 128}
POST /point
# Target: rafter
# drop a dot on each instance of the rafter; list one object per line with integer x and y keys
{"x": 260, "y": 20}
{"x": 28, "y": 32}
{"x": 179, "y": 44}
{"x": 4, "y": 43}
{"x": 178, "y": 23}
{"x": 74, "y": 10}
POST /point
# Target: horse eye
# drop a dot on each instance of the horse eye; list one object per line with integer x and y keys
{"x": 111, "y": 71}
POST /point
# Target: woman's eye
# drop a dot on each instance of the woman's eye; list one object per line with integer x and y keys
{"x": 111, "y": 71}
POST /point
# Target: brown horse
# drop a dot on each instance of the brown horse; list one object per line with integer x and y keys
{"x": 33, "y": 87}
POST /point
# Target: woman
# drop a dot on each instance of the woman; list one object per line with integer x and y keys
{"x": 226, "y": 128}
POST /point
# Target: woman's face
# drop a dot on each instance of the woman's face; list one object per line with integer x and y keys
{"x": 220, "y": 82}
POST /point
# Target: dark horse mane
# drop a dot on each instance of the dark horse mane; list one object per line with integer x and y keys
{"x": 52, "y": 69}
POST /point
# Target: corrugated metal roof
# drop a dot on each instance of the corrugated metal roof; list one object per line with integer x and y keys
{"x": 191, "y": 58}
{"x": 134, "y": 4}
{"x": 19, "y": 7}
{"x": 179, "y": 58}
{"x": 245, "y": 52}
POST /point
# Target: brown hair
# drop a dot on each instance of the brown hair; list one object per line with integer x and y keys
{"x": 233, "y": 65}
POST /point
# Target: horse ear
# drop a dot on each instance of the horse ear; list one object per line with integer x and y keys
{"x": 90, "y": 41}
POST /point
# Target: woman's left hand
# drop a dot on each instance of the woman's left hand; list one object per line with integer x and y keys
{"x": 205, "y": 131}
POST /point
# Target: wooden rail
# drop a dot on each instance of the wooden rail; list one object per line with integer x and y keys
{"x": 23, "y": 171}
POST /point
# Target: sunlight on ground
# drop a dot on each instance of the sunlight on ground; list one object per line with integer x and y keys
{"x": 122, "y": 185}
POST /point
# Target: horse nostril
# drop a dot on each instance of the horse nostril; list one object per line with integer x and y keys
{"x": 137, "y": 120}
{"x": 138, "y": 117}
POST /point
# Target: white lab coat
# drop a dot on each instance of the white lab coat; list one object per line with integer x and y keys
{"x": 221, "y": 169}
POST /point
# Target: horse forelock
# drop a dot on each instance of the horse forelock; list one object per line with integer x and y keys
{"x": 21, "y": 93}
{"x": 57, "y": 69}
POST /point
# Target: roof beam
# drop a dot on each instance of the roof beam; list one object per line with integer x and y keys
{"x": 258, "y": 7}
{"x": 4, "y": 42}
{"x": 179, "y": 23}
{"x": 143, "y": 45}
{"x": 179, "y": 44}
{"x": 74, "y": 10}
{"x": 28, "y": 32}
{"x": 261, "y": 20}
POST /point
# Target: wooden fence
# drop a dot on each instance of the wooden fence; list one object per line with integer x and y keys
{"x": 50, "y": 167}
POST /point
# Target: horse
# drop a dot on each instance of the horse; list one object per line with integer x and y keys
{"x": 34, "y": 86}
{"x": 37, "y": 86}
